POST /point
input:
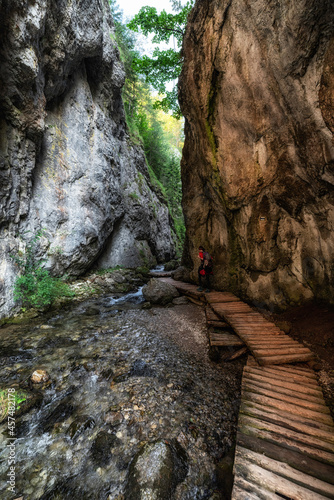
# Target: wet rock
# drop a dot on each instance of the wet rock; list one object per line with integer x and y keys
{"x": 181, "y": 274}
{"x": 171, "y": 265}
{"x": 119, "y": 278}
{"x": 120, "y": 378}
{"x": 179, "y": 301}
{"x": 61, "y": 413}
{"x": 39, "y": 377}
{"x": 114, "y": 418}
{"x": 10, "y": 356}
{"x": 101, "y": 448}
{"x": 155, "y": 471}
{"x": 158, "y": 292}
{"x": 69, "y": 489}
{"x": 52, "y": 342}
{"x": 81, "y": 423}
{"x": 92, "y": 311}
{"x": 107, "y": 374}
{"x": 141, "y": 369}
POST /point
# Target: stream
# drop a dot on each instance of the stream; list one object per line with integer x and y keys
{"x": 120, "y": 376}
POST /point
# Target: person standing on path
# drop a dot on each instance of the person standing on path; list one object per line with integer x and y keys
{"x": 205, "y": 269}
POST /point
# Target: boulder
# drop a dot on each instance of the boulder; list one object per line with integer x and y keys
{"x": 182, "y": 273}
{"x": 158, "y": 292}
{"x": 180, "y": 301}
{"x": 156, "y": 470}
{"x": 171, "y": 265}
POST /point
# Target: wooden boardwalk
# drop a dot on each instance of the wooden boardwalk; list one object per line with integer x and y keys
{"x": 268, "y": 344}
{"x": 285, "y": 438}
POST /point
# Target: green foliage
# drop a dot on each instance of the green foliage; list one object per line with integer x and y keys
{"x": 134, "y": 196}
{"x": 35, "y": 287}
{"x": 165, "y": 65}
{"x": 5, "y": 402}
{"x": 102, "y": 272}
{"x": 149, "y": 120}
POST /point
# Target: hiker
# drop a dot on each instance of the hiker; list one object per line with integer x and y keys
{"x": 205, "y": 269}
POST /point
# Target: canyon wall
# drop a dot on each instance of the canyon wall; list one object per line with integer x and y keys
{"x": 67, "y": 164}
{"x": 257, "y": 92}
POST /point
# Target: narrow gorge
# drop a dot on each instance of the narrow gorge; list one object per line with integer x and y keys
{"x": 135, "y": 379}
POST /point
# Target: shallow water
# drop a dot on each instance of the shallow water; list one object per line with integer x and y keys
{"x": 119, "y": 377}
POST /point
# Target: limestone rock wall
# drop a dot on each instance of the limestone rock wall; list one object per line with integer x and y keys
{"x": 67, "y": 164}
{"x": 257, "y": 92}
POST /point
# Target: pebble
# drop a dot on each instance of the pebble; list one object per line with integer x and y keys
{"x": 39, "y": 376}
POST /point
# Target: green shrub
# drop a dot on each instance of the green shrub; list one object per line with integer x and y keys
{"x": 35, "y": 287}
{"x": 101, "y": 272}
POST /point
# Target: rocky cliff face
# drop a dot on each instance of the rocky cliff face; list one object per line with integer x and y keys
{"x": 257, "y": 92}
{"x": 67, "y": 164}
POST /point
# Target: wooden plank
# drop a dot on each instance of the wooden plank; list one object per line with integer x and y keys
{"x": 314, "y": 442}
{"x": 195, "y": 301}
{"x": 287, "y": 358}
{"x": 294, "y": 370}
{"x": 285, "y": 471}
{"x": 273, "y": 340}
{"x": 268, "y": 344}
{"x": 295, "y": 378}
{"x": 245, "y": 490}
{"x": 231, "y": 336}
{"x": 223, "y": 311}
{"x": 211, "y": 315}
{"x": 305, "y": 389}
{"x": 281, "y": 351}
{"x": 257, "y": 329}
{"x": 290, "y": 390}
{"x": 217, "y": 324}
{"x": 249, "y": 319}
{"x": 226, "y": 341}
{"x": 275, "y": 483}
{"x": 251, "y": 362}
{"x": 285, "y": 413}
{"x": 237, "y": 354}
{"x": 258, "y": 333}
{"x": 266, "y": 338}
{"x": 283, "y": 405}
{"x": 296, "y": 459}
{"x": 221, "y": 297}
{"x": 293, "y": 399}
{"x": 287, "y": 421}
{"x": 289, "y": 444}
{"x": 250, "y": 330}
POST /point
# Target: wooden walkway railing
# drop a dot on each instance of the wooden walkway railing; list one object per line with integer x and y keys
{"x": 285, "y": 438}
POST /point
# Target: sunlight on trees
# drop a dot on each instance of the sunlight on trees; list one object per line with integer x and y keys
{"x": 150, "y": 124}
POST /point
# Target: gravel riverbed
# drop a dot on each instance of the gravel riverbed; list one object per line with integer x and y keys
{"x": 120, "y": 376}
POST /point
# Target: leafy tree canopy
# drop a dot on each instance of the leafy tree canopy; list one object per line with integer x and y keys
{"x": 165, "y": 65}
